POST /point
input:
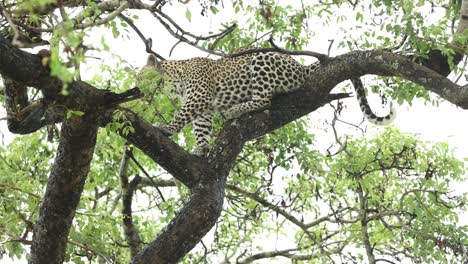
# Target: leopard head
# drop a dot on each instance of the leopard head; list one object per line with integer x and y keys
{"x": 149, "y": 76}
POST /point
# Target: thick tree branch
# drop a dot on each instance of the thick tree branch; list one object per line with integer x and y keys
{"x": 35, "y": 116}
{"x": 22, "y": 67}
{"x": 189, "y": 226}
{"x": 185, "y": 167}
{"x": 26, "y": 69}
{"x": 200, "y": 213}
{"x": 66, "y": 181}
{"x": 205, "y": 204}
{"x": 383, "y": 63}
{"x": 16, "y": 96}
{"x": 24, "y": 117}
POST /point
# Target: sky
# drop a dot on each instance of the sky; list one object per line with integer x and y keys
{"x": 445, "y": 122}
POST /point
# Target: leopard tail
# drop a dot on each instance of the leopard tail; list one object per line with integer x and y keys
{"x": 365, "y": 108}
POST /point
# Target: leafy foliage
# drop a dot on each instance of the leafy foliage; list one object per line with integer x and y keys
{"x": 390, "y": 183}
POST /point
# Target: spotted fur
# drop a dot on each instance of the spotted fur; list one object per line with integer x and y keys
{"x": 233, "y": 87}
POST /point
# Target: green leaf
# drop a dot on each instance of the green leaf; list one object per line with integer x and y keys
{"x": 359, "y": 17}
{"x": 214, "y": 10}
{"x": 78, "y": 113}
{"x": 71, "y": 113}
{"x": 188, "y": 15}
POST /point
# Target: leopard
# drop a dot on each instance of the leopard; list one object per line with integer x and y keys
{"x": 234, "y": 86}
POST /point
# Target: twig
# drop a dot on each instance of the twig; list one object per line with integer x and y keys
{"x": 197, "y": 38}
{"x": 259, "y": 38}
{"x": 321, "y": 57}
{"x": 16, "y": 33}
{"x": 181, "y": 37}
{"x": 130, "y": 154}
{"x": 62, "y": 10}
{"x": 173, "y": 47}
{"x": 145, "y": 40}
{"x": 206, "y": 252}
{"x": 273, "y": 207}
{"x": 223, "y": 34}
{"x": 330, "y": 46}
{"x": 90, "y": 250}
{"x": 18, "y": 189}
{"x": 158, "y": 4}
{"x": 105, "y": 20}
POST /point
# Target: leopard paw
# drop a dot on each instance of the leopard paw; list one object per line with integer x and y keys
{"x": 201, "y": 151}
{"x": 166, "y": 129}
{"x": 231, "y": 115}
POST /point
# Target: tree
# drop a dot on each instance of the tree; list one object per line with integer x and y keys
{"x": 376, "y": 199}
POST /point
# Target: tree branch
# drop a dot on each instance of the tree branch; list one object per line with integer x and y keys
{"x": 131, "y": 233}
{"x": 190, "y": 224}
{"x": 66, "y": 182}
{"x": 146, "y": 41}
{"x": 275, "y": 253}
{"x": 270, "y": 206}
{"x": 187, "y": 168}
{"x": 383, "y": 63}
{"x": 364, "y": 222}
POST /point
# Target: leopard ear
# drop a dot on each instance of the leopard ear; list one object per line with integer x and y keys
{"x": 151, "y": 61}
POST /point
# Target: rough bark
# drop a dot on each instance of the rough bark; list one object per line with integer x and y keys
{"x": 128, "y": 188}
{"x": 66, "y": 181}
{"x": 24, "y": 117}
{"x": 189, "y": 226}
{"x": 183, "y": 166}
{"x": 27, "y": 69}
{"x": 383, "y": 63}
